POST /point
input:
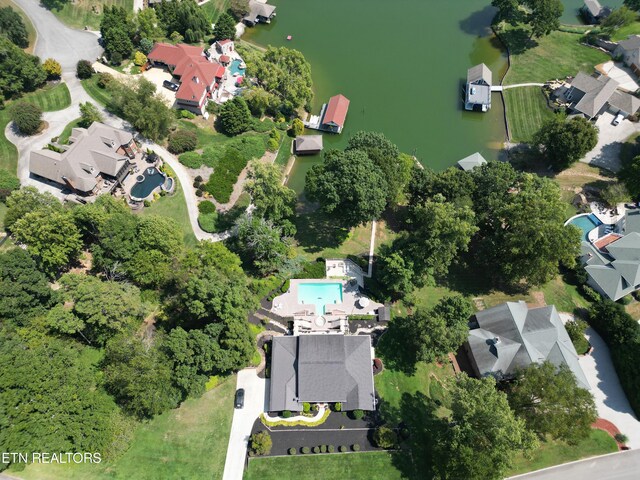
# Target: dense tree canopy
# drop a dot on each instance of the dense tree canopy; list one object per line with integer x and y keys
{"x": 234, "y": 117}
{"x": 551, "y": 403}
{"x": 349, "y": 186}
{"x": 563, "y": 142}
{"x": 19, "y": 71}
{"x": 630, "y": 176}
{"x": 541, "y": 16}
{"x": 439, "y": 330}
{"x": 89, "y": 113}
{"x": 273, "y": 201}
{"x": 118, "y": 31}
{"x": 26, "y": 116}
{"x": 484, "y": 435}
{"x": 225, "y": 27}
{"x": 28, "y": 200}
{"x": 9, "y": 182}
{"x": 184, "y": 17}
{"x": 12, "y": 26}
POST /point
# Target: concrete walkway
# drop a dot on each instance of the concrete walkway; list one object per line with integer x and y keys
{"x": 298, "y": 418}
{"x": 255, "y": 403}
{"x": 518, "y": 85}
{"x": 610, "y": 399}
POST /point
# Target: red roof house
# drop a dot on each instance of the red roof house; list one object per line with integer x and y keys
{"x": 335, "y": 113}
{"x": 171, "y": 55}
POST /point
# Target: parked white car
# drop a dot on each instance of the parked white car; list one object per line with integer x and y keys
{"x": 618, "y": 119}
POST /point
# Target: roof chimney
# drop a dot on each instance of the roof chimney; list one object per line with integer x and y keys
{"x": 496, "y": 340}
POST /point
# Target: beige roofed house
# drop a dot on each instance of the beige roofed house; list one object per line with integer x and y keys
{"x": 95, "y": 153}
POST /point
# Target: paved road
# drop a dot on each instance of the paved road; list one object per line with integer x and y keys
{"x": 617, "y": 466}
{"x": 255, "y": 391}
{"x": 610, "y": 399}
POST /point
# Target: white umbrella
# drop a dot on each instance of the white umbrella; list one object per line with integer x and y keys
{"x": 363, "y": 302}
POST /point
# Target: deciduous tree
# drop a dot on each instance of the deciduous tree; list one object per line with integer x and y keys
{"x": 551, "y": 403}
{"x": 12, "y": 25}
{"x": 563, "y": 142}
{"x": 272, "y": 200}
{"x": 234, "y": 117}
{"x": 89, "y": 114}
{"x": 27, "y": 200}
{"x": 26, "y": 116}
{"x": 225, "y": 27}
{"x": 53, "y": 68}
{"x": 19, "y": 71}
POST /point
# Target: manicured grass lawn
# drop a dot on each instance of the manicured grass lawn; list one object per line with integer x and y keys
{"x": 66, "y": 133}
{"x": 554, "y": 453}
{"x": 557, "y": 55}
{"x": 31, "y": 31}
{"x": 527, "y": 110}
{"x": 100, "y": 95}
{"x": 81, "y": 13}
{"x": 51, "y": 97}
{"x": 174, "y": 206}
{"x": 624, "y": 32}
{"x": 354, "y": 466}
{"x": 214, "y": 8}
{"x": 187, "y": 443}
{"x": 565, "y": 297}
{"x": 285, "y": 151}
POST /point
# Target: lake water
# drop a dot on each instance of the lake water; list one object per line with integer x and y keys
{"x": 401, "y": 63}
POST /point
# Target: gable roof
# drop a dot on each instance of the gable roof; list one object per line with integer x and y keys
{"x": 632, "y": 221}
{"x": 479, "y": 73}
{"x": 321, "y": 368}
{"x": 336, "y": 111}
{"x": 472, "y": 161}
{"x": 631, "y": 43}
{"x": 597, "y": 92}
{"x": 512, "y": 336}
{"x": 625, "y": 102}
{"x": 172, "y": 54}
{"x": 593, "y": 6}
{"x": 259, "y": 9}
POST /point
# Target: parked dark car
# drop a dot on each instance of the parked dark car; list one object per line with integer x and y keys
{"x": 239, "y": 402}
{"x": 170, "y": 85}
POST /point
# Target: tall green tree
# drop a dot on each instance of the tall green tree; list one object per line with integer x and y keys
{"x": 543, "y": 16}
{"x": 484, "y": 435}
{"x": 13, "y": 27}
{"x": 563, "y": 143}
{"x": 24, "y": 290}
{"x": 27, "y": 200}
{"x": 238, "y": 9}
{"x": 234, "y": 117}
{"x": 508, "y": 11}
{"x": 630, "y": 176}
{"x": 9, "y": 183}
{"x": 117, "y": 30}
{"x": 395, "y": 168}
{"x": 551, "y": 402}
{"x": 225, "y": 27}
{"x": 51, "y": 238}
{"x": 349, "y": 186}
{"x": 26, "y": 116}
{"x": 273, "y": 201}
{"x": 19, "y": 71}
{"x": 633, "y": 4}
{"x": 619, "y": 17}
{"x": 439, "y": 330}
{"x": 89, "y": 114}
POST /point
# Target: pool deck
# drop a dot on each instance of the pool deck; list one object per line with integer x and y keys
{"x": 307, "y": 316}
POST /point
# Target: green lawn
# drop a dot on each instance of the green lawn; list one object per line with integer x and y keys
{"x": 51, "y": 97}
{"x": 31, "y": 31}
{"x": 554, "y": 453}
{"x": 100, "y": 95}
{"x": 66, "y": 133}
{"x": 624, "y": 32}
{"x": 174, "y": 206}
{"x": 565, "y": 297}
{"x": 285, "y": 151}
{"x": 555, "y": 56}
{"x": 81, "y": 13}
{"x": 186, "y": 443}
{"x": 214, "y": 8}
{"x": 353, "y": 466}
{"x": 527, "y": 110}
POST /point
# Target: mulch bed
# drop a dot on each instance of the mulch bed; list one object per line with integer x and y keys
{"x": 610, "y": 428}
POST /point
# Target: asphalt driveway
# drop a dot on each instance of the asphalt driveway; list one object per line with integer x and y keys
{"x": 606, "y": 153}
{"x": 255, "y": 402}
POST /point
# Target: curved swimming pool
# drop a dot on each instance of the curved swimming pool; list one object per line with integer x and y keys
{"x": 585, "y": 222}
{"x": 147, "y": 182}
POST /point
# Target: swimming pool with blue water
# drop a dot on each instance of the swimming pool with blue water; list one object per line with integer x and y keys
{"x": 320, "y": 294}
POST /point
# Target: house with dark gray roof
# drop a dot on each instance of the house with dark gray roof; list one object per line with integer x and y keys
{"x": 629, "y": 51}
{"x": 613, "y": 269}
{"x": 591, "y": 96}
{"x": 323, "y": 368}
{"x": 478, "y": 89}
{"x": 259, "y": 13}
{"x": 472, "y": 161}
{"x": 593, "y": 12}
{"x": 512, "y": 336}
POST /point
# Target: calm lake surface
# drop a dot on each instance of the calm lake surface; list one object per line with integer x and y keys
{"x": 401, "y": 63}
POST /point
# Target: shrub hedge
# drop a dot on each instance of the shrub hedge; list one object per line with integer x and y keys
{"x": 355, "y": 447}
{"x": 293, "y": 451}
{"x": 316, "y": 449}
{"x": 182, "y": 140}
{"x": 343, "y": 448}
{"x": 208, "y": 222}
{"x": 206, "y": 207}
{"x": 191, "y": 160}
{"x": 305, "y": 450}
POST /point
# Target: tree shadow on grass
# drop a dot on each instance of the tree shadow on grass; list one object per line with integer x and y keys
{"x": 421, "y": 428}
{"x": 317, "y": 231}
{"x": 517, "y": 39}
{"x": 394, "y": 348}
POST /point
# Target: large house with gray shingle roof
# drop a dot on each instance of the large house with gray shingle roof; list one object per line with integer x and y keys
{"x": 322, "y": 368}
{"x": 613, "y": 267}
{"x": 511, "y": 336}
{"x": 629, "y": 51}
{"x": 591, "y": 96}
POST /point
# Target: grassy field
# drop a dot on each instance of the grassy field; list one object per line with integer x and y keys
{"x": 624, "y": 32}
{"x": 100, "y": 95}
{"x": 527, "y": 110}
{"x": 186, "y": 443}
{"x": 555, "y": 56}
{"x": 66, "y": 133}
{"x": 81, "y": 13}
{"x": 174, "y": 206}
{"x": 214, "y": 8}
{"x": 554, "y": 453}
{"x": 354, "y": 466}
{"x": 285, "y": 151}
{"x": 31, "y": 31}
{"x": 51, "y": 97}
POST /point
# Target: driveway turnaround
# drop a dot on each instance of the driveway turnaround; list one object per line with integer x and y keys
{"x": 611, "y": 137}
{"x": 255, "y": 402}
{"x": 610, "y": 399}
{"x": 615, "y": 466}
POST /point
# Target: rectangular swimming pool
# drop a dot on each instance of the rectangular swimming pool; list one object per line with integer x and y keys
{"x": 320, "y": 294}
